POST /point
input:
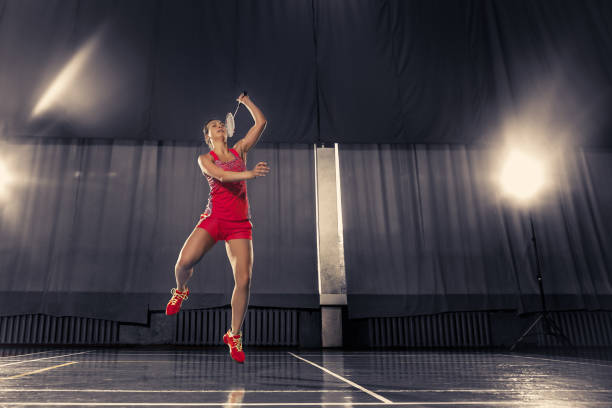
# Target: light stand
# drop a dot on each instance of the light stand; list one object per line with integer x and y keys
{"x": 550, "y": 328}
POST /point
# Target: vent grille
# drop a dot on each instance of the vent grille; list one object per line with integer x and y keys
{"x": 468, "y": 329}
{"x": 43, "y": 329}
{"x": 589, "y": 329}
{"x": 279, "y": 327}
{"x": 262, "y": 327}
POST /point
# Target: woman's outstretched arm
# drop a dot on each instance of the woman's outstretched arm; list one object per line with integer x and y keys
{"x": 252, "y": 137}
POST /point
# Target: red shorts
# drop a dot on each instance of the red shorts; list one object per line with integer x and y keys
{"x": 223, "y": 230}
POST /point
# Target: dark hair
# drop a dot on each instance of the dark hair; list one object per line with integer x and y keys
{"x": 205, "y": 131}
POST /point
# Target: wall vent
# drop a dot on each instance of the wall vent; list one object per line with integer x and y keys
{"x": 43, "y": 329}
{"x": 464, "y": 329}
{"x": 262, "y": 327}
{"x": 588, "y": 329}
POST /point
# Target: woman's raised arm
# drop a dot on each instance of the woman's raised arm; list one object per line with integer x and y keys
{"x": 252, "y": 137}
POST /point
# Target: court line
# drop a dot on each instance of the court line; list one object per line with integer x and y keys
{"x": 38, "y": 371}
{"x": 220, "y": 353}
{"x": 165, "y": 361}
{"x": 180, "y": 361}
{"x": 346, "y": 391}
{"x": 436, "y": 364}
{"x": 306, "y": 353}
{"x": 28, "y": 354}
{"x": 373, "y": 394}
{"x": 253, "y": 360}
{"x": 496, "y": 390}
{"x": 558, "y": 361}
{"x": 43, "y": 358}
{"x": 326, "y": 354}
{"x": 60, "y": 390}
{"x": 301, "y": 404}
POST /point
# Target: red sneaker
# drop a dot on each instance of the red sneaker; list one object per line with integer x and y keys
{"x": 174, "y": 305}
{"x": 234, "y": 342}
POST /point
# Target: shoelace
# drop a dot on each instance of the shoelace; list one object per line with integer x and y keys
{"x": 177, "y": 296}
{"x": 237, "y": 341}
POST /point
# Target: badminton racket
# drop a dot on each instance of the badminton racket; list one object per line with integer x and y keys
{"x": 230, "y": 123}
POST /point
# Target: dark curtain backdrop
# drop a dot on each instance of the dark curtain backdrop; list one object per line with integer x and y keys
{"x": 93, "y": 228}
{"x": 357, "y": 71}
{"x": 427, "y": 231}
{"x": 103, "y": 214}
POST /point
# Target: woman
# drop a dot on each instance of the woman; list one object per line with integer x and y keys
{"x": 227, "y": 217}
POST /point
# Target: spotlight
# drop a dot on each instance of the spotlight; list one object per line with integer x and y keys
{"x": 522, "y": 175}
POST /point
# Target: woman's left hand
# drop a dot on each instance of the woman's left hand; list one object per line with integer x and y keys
{"x": 243, "y": 98}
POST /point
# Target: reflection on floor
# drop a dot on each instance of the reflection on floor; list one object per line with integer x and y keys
{"x": 305, "y": 378}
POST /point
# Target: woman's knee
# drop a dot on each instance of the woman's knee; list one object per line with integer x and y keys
{"x": 183, "y": 263}
{"x": 243, "y": 279}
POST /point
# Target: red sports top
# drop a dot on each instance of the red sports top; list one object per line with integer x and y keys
{"x": 228, "y": 201}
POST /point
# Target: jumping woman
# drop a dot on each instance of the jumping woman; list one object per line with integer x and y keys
{"x": 227, "y": 217}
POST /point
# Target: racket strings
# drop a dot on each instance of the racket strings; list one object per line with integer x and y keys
{"x": 230, "y": 124}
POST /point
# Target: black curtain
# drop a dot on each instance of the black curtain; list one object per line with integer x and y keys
{"x": 426, "y": 230}
{"x": 93, "y": 228}
{"x": 359, "y": 71}
{"x": 454, "y": 72}
{"x": 156, "y": 69}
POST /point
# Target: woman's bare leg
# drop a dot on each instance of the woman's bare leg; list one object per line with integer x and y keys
{"x": 240, "y": 255}
{"x": 196, "y": 245}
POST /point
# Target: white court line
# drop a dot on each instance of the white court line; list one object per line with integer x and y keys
{"x": 393, "y": 353}
{"x": 451, "y": 356}
{"x": 251, "y": 362}
{"x": 219, "y": 353}
{"x": 326, "y": 354}
{"x": 43, "y": 358}
{"x": 38, "y": 371}
{"x": 301, "y": 404}
{"x": 346, "y": 391}
{"x": 428, "y": 362}
{"x": 496, "y": 390}
{"x": 373, "y": 394}
{"x": 256, "y": 353}
{"x": 558, "y": 361}
{"x": 29, "y": 354}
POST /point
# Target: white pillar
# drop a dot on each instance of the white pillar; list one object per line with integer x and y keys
{"x": 330, "y": 244}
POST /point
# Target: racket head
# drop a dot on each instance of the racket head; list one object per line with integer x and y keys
{"x": 230, "y": 125}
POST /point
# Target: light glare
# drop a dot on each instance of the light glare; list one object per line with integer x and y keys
{"x": 66, "y": 77}
{"x": 522, "y": 175}
{"x": 5, "y": 180}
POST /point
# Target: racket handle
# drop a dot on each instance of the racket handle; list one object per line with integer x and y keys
{"x": 245, "y": 93}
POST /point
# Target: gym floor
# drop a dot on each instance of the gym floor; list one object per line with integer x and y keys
{"x": 39, "y": 376}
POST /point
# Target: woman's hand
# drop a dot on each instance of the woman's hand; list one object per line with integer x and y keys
{"x": 243, "y": 98}
{"x": 260, "y": 170}
{"x": 256, "y": 113}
